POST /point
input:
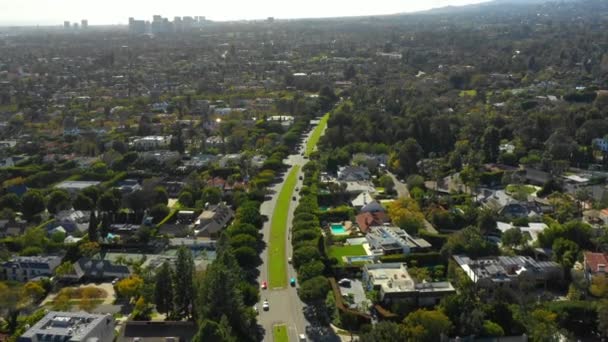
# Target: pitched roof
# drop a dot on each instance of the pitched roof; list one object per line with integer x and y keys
{"x": 594, "y": 260}
{"x": 372, "y": 207}
{"x": 367, "y": 219}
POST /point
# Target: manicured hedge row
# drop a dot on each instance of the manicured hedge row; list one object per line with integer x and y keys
{"x": 419, "y": 259}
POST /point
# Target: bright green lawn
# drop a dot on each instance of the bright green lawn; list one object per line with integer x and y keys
{"x": 316, "y": 135}
{"x": 520, "y": 188}
{"x": 470, "y": 93}
{"x": 341, "y": 251}
{"x": 279, "y": 333}
{"x": 277, "y": 267}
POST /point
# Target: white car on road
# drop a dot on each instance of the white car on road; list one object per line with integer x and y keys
{"x": 265, "y": 305}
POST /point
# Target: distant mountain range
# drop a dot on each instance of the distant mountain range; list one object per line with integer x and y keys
{"x": 492, "y": 3}
{"x": 484, "y": 5}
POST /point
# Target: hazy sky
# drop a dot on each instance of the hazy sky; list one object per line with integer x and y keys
{"x": 54, "y": 12}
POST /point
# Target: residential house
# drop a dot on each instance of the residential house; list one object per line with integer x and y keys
{"x": 73, "y": 221}
{"x": 161, "y": 157}
{"x": 371, "y": 161}
{"x": 230, "y": 160}
{"x": 358, "y": 187}
{"x": 507, "y": 206}
{"x": 353, "y": 173}
{"x": 160, "y": 107}
{"x": 532, "y": 230}
{"x": 214, "y": 141}
{"x": 537, "y": 177}
{"x": 368, "y": 219}
{"x": 74, "y": 187}
{"x": 89, "y": 269}
{"x": 447, "y": 185}
{"x": 128, "y": 186}
{"x": 199, "y": 161}
{"x": 593, "y": 218}
{"x": 258, "y": 161}
{"x": 226, "y": 111}
{"x": 7, "y": 144}
{"x": 385, "y": 240}
{"x": 394, "y": 283}
{"x": 9, "y": 161}
{"x": 217, "y": 182}
{"x": 213, "y": 219}
{"x": 519, "y": 210}
{"x": 284, "y": 120}
{"x": 508, "y": 271}
{"x": 362, "y": 200}
{"x": 601, "y": 144}
{"x": 12, "y": 228}
{"x": 372, "y": 207}
{"x": 155, "y": 331}
{"x": 575, "y": 182}
{"x": 193, "y": 243}
{"x": 595, "y": 264}
{"x": 152, "y": 142}
{"x": 71, "y": 327}
{"x": 24, "y": 268}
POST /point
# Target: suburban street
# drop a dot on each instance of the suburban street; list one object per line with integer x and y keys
{"x": 402, "y": 191}
{"x": 285, "y": 305}
{"x": 400, "y": 187}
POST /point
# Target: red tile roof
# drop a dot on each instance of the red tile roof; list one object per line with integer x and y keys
{"x": 217, "y": 182}
{"x": 593, "y": 260}
{"x": 367, "y": 219}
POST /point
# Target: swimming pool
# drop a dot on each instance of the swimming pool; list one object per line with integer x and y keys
{"x": 359, "y": 258}
{"x": 338, "y": 229}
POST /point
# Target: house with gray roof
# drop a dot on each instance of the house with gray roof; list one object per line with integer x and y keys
{"x": 86, "y": 269}
{"x": 386, "y": 240}
{"x": 508, "y": 271}
{"x": 353, "y": 173}
{"x": 71, "y": 327}
{"x": 394, "y": 283}
{"x": 25, "y": 268}
{"x": 213, "y": 219}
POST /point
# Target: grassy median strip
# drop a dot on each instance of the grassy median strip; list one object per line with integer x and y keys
{"x": 316, "y": 135}
{"x": 279, "y": 333}
{"x": 277, "y": 267}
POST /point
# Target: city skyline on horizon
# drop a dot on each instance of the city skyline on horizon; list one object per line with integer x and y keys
{"x": 46, "y": 13}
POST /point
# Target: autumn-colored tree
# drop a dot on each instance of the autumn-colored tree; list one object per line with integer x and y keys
{"x": 33, "y": 290}
{"x": 405, "y": 213}
{"x": 89, "y": 249}
{"x": 599, "y": 286}
{"x": 62, "y": 302}
{"x": 129, "y": 287}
